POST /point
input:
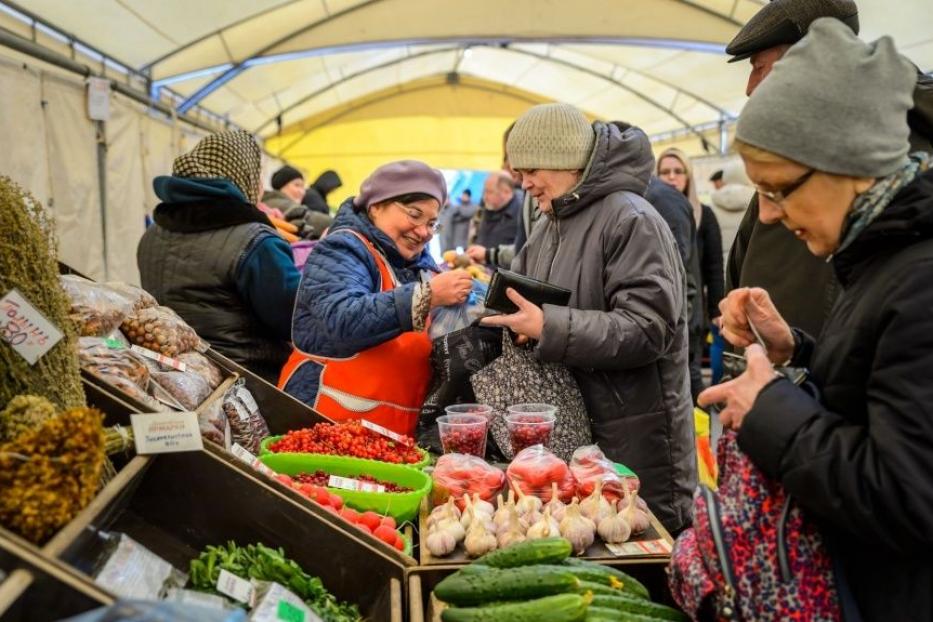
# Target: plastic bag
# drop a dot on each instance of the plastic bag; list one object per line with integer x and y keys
{"x": 590, "y": 465}
{"x": 533, "y": 471}
{"x": 96, "y": 309}
{"x": 161, "y": 330}
{"x": 137, "y": 296}
{"x": 130, "y": 570}
{"x": 247, "y": 425}
{"x": 446, "y": 320}
{"x": 188, "y": 389}
{"x": 459, "y": 474}
{"x": 214, "y": 425}
{"x": 121, "y": 368}
{"x": 202, "y": 366}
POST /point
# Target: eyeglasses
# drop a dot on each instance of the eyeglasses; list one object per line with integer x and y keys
{"x": 417, "y": 218}
{"x": 779, "y": 196}
{"x": 665, "y": 172}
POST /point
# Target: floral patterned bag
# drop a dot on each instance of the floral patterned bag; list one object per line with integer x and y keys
{"x": 517, "y": 377}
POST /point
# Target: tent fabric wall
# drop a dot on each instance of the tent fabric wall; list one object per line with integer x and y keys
{"x": 23, "y": 156}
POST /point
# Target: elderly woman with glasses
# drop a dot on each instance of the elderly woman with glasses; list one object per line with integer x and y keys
{"x": 361, "y": 349}
{"x": 825, "y": 140}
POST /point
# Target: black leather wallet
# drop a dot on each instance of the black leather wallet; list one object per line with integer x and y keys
{"x": 539, "y": 292}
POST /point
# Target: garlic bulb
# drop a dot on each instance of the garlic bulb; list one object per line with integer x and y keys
{"x": 527, "y": 503}
{"x": 614, "y": 529}
{"x": 547, "y": 527}
{"x": 637, "y": 518}
{"x": 440, "y": 542}
{"x": 451, "y": 526}
{"x": 556, "y": 506}
{"x": 481, "y": 505}
{"x": 479, "y": 540}
{"x": 501, "y": 516}
{"x": 448, "y": 510}
{"x": 577, "y": 528}
{"x": 596, "y": 507}
{"x": 511, "y": 534}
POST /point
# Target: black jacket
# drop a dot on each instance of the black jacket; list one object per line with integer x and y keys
{"x": 709, "y": 245}
{"x": 860, "y": 460}
{"x": 498, "y": 227}
{"x": 315, "y": 198}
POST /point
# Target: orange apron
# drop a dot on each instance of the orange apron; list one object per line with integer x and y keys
{"x": 385, "y": 384}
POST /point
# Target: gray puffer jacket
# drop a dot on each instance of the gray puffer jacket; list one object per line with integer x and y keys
{"x": 624, "y": 334}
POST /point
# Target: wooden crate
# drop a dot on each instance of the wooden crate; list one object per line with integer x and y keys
{"x": 177, "y": 504}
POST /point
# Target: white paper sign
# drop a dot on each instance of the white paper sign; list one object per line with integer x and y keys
{"x": 98, "y": 99}
{"x": 378, "y": 429}
{"x": 161, "y": 358}
{"x": 348, "y": 483}
{"x": 236, "y": 588}
{"x": 167, "y": 432}
{"x": 25, "y": 328}
{"x": 244, "y": 455}
{"x": 640, "y": 548}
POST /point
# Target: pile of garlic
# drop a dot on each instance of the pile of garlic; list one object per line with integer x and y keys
{"x": 483, "y": 528}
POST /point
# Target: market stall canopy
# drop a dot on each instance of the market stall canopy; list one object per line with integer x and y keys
{"x": 267, "y": 64}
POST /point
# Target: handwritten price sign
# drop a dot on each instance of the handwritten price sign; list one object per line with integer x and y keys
{"x": 25, "y": 328}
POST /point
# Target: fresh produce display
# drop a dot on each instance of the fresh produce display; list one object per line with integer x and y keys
{"x": 534, "y": 471}
{"x": 347, "y": 438}
{"x": 28, "y": 264}
{"x": 320, "y": 478}
{"x": 536, "y": 580}
{"x": 262, "y": 563}
{"x": 161, "y": 330}
{"x": 456, "y": 475}
{"x": 590, "y": 465}
{"x": 463, "y": 434}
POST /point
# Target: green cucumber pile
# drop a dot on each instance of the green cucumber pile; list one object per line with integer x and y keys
{"x": 538, "y": 581}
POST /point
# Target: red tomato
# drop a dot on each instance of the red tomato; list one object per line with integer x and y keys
{"x": 350, "y": 515}
{"x": 336, "y": 501}
{"x": 399, "y": 542}
{"x": 370, "y": 519}
{"x": 388, "y": 521}
{"x": 386, "y": 534}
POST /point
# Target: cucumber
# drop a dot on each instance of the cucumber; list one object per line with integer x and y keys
{"x": 508, "y": 584}
{"x": 543, "y": 551}
{"x": 604, "y": 614}
{"x": 630, "y": 604}
{"x": 587, "y": 573}
{"x": 597, "y": 588}
{"x": 630, "y": 584}
{"x": 559, "y": 608}
{"x": 474, "y": 569}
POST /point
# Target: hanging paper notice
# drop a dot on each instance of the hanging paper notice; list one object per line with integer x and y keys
{"x": 25, "y": 328}
{"x": 98, "y": 99}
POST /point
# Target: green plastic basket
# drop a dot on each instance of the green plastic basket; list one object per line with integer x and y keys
{"x": 425, "y": 456}
{"x": 402, "y": 506}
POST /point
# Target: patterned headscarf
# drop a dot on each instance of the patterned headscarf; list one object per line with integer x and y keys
{"x": 233, "y": 155}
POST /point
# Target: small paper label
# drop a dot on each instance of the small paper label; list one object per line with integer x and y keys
{"x": 247, "y": 398}
{"x": 288, "y": 612}
{"x": 161, "y": 358}
{"x": 167, "y": 432}
{"x": 378, "y": 429}
{"x": 236, "y": 588}
{"x": 348, "y": 483}
{"x": 25, "y": 328}
{"x": 98, "y": 99}
{"x": 113, "y": 343}
{"x": 640, "y": 548}
{"x": 245, "y": 456}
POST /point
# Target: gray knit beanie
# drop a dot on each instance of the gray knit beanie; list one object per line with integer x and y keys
{"x": 551, "y": 136}
{"x": 834, "y": 103}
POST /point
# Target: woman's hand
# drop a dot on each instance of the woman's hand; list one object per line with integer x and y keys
{"x": 450, "y": 288}
{"x": 738, "y": 395}
{"x": 528, "y": 321}
{"x": 753, "y": 304}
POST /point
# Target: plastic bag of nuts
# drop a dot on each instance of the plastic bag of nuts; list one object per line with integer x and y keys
{"x": 161, "y": 330}
{"x": 96, "y": 309}
{"x": 137, "y": 296}
{"x": 247, "y": 425}
{"x": 112, "y": 362}
{"x": 202, "y": 366}
{"x": 214, "y": 425}
{"x": 188, "y": 388}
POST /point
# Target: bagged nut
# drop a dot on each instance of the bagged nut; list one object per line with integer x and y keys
{"x": 161, "y": 330}
{"x": 202, "y": 366}
{"x": 137, "y": 296}
{"x": 247, "y": 425}
{"x": 96, "y": 309}
{"x": 187, "y": 388}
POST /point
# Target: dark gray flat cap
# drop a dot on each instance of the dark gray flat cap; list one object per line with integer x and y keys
{"x": 786, "y": 22}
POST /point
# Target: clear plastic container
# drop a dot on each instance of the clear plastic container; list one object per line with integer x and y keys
{"x": 463, "y": 433}
{"x": 530, "y": 424}
{"x": 471, "y": 409}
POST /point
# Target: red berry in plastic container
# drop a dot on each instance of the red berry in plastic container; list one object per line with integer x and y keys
{"x": 463, "y": 434}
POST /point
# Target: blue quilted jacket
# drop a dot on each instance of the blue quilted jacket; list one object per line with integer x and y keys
{"x": 339, "y": 310}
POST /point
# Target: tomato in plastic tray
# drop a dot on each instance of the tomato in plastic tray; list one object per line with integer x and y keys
{"x": 533, "y": 471}
{"x": 459, "y": 474}
{"x": 589, "y": 465}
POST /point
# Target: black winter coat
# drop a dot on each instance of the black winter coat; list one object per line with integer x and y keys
{"x": 860, "y": 460}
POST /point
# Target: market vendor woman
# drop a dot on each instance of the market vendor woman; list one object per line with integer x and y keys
{"x": 361, "y": 349}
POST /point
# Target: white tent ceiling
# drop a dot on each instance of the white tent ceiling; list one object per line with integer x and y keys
{"x": 656, "y": 63}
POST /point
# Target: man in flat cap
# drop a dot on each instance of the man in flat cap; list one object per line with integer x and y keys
{"x": 802, "y": 286}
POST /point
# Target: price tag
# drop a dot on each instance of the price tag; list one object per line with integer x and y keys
{"x": 288, "y": 612}
{"x": 168, "y": 432}
{"x": 348, "y": 483}
{"x": 247, "y": 398}
{"x": 25, "y": 328}
{"x": 640, "y": 548}
{"x": 161, "y": 358}
{"x": 378, "y": 429}
{"x": 236, "y": 588}
{"x": 244, "y": 455}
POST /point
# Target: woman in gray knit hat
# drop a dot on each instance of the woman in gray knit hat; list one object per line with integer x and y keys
{"x": 825, "y": 140}
{"x": 624, "y": 333}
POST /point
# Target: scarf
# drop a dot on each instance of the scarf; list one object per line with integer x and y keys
{"x": 871, "y": 203}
